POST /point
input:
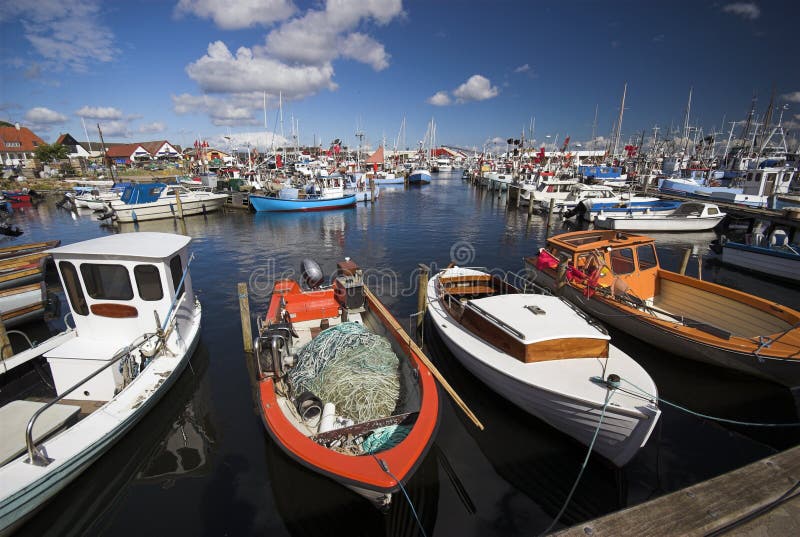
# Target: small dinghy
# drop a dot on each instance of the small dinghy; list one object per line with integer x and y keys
{"x": 340, "y": 386}
{"x": 540, "y": 353}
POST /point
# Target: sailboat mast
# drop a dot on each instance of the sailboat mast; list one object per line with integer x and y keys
{"x": 619, "y": 121}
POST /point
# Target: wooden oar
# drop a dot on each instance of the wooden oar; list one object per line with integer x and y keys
{"x": 425, "y": 360}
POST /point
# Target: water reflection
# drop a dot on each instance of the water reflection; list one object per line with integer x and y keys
{"x": 89, "y": 503}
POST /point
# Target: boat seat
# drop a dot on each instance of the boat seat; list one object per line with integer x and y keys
{"x": 14, "y": 419}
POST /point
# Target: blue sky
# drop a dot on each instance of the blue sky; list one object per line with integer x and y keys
{"x": 184, "y": 69}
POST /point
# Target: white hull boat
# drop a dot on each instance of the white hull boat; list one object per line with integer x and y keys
{"x": 156, "y": 201}
{"x": 687, "y": 217}
{"x": 539, "y": 353}
{"x": 107, "y": 372}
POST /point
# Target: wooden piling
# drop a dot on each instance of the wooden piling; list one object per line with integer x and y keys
{"x": 699, "y": 266}
{"x": 685, "y": 261}
{"x": 372, "y": 189}
{"x": 422, "y": 294}
{"x": 519, "y": 195}
{"x": 179, "y": 204}
{"x": 530, "y": 205}
{"x": 6, "y": 351}
{"x": 244, "y": 312}
{"x": 550, "y": 212}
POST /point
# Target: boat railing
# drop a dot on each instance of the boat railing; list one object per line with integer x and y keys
{"x": 37, "y": 455}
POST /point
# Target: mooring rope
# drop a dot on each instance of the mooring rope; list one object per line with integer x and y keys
{"x": 385, "y": 468}
{"x": 611, "y": 387}
{"x": 701, "y": 415}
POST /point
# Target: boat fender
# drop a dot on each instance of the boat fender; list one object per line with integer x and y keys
{"x": 328, "y": 420}
{"x": 309, "y": 406}
{"x": 312, "y": 273}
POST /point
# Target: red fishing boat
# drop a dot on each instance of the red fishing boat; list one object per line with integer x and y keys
{"x": 341, "y": 387}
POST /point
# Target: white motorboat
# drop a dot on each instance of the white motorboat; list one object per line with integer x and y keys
{"x": 541, "y": 354}
{"x": 136, "y": 325}
{"x": 689, "y": 216}
{"x": 154, "y": 201}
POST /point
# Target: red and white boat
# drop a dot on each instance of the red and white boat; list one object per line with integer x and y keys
{"x": 341, "y": 387}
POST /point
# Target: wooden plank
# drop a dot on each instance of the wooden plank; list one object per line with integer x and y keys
{"x": 244, "y": 312}
{"x": 362, "y": 428}
{"x": 702, "y": 508}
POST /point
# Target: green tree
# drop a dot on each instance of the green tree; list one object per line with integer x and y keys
{"x": 47, "y": 153}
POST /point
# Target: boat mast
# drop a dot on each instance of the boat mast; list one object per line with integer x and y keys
{"x": 619, "y": 121}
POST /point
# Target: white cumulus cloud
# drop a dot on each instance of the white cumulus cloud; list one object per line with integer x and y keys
{"x": 152, "y": 128}
{"x": 99, "y": 112}
{"x": 793, "y": 97}
{"x": 115, "y": 128}
{"x": 746, "y": 10}
{"x": 44, "y": 116}
{"x": 219, "y": 71}
{"x": 440, "y": 98}
{"x": 237, "y": 109}
{"x": 237, "y": 14}
{"x": 476, "y": 88}
{"x": 320, "y": 36}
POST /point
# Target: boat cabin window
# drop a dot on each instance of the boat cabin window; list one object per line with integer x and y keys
{"x": 176, "y": 269}
{"x": 622, "y": 261}
{"x": 646, "y": 253}
{"x": 107, "y": 282}
{"x": 73, "y": 288}
{"x": 148, "y": 282}
{"x": 712, "y": 211}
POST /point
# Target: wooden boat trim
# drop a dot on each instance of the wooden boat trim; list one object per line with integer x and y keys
{"x": 114, "y": 311}
{"x": 502, "y": 336}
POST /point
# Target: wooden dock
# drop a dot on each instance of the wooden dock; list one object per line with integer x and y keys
{"x": 238, "y": 200}
{"x": 760, "y": 499}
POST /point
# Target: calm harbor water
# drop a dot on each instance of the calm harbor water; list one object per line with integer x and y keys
{"x": 202, "y": 463}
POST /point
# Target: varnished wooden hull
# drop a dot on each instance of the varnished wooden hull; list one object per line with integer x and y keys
{"x": 779, "y": 362}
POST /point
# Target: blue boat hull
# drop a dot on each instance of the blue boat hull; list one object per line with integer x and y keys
{"x": 266, "y": 204}
{"x": 419, "y": 178}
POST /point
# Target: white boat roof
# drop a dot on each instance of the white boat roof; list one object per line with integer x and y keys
{"x": 558, "y": 321}
{"x": 144, "y": 244}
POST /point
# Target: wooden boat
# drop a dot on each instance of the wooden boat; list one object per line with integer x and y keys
{"x": 23, "y": 269}
{"x": 774, "y": 255}
{"x": 277, "y": 204}
{"x": 334, "y": 437}
{"x": 19, "y": 305}
{"x": 689, "y": 216}
{"x": 546, "y": 357}
{"x": 107, "y": 372}
{"x": 616, "y": 277}
{"x": 155, "y": 201}
{"x": 24, "y": 249}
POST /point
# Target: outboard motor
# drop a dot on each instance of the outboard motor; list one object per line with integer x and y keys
{"x": 312, "y": 273}
{"x": 348, "y": 287}
{"x": 106, "y": 213}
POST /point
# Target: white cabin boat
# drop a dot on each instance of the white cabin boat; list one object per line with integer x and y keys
{"x": 538, "y": 352}
{"x": 689, "y": 216}
{"x": 154, "y": 201}
{"x": 136, "y": 325}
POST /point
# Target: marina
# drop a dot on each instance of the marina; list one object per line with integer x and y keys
{"x": 399, "y": 269}
{"x": 474, "y": 467}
